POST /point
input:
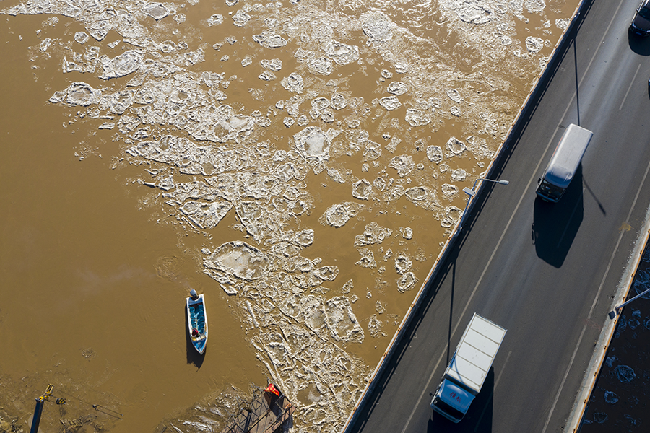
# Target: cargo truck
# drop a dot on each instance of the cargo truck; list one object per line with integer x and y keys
{"x": 564, "y": 163}
{"x": 468, "y": 368}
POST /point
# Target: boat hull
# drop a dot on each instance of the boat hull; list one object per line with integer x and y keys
{"x": 197, "y": 323}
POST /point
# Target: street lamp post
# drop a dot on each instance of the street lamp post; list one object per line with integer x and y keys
{"x": 618, "y": 309}
{"x": 471, "y": 193}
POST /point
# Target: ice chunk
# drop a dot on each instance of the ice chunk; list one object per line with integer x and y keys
{"x": 373, "y": 234}
{"x": 434, "y": 153}
{"x": 156, "y": 10}
{"x": 377, "y": 26}
{"x": 237, "y": 259}
{"x": 455, "y": 146}
{"x": 361, "y": 189}
{"x": 390, "y": 103}
{"x": 124, "y": 64}
{"x": 293, "y": 83}
{"x": 339, "y": 214}
{"x": 534, "y": 45}
{"x": 403, "y": 164}
{"x": 341, "y": 53}
{"x": 397, "y": 88}
{"x": 215, "y": 20}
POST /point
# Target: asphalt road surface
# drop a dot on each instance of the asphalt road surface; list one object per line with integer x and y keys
{"x": 545, "y": 272}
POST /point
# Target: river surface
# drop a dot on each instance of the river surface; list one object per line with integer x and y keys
{"x": 301, "y": 163}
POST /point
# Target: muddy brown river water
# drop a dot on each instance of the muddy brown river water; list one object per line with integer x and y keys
{"x": 300, "y": 163}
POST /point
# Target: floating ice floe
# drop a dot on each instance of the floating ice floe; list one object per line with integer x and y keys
{"x": 417, "y": 117}
{"x": 338, "y": 101}
{"x": 374, "y": 327}
{"x": 367, "y": 259}
{"x": 293, "y": 83}
{"x": 122, "y": 65}
{"x": 237, "y": 259}
{"x": 417, "y": 193}
{"x": 81, "y": 37}
{"x": 406, "y": 282}
{"x": 458, "y": 175}
{"x": 321, "y": 65}
{"x": 402, "y": 264}
{"x": 377, "y": 26}
{"x": 373, "y": 234}
{"x": 385, "y": 73}
{"x": 534, "y": 45}
{"x": 342, "y": 54}
{"x": 267, "y": 76}
{"x": 454, "y": 95}
{"x": 403, "y": 164}
{"x": 269, "y": 40}
{"x": 240, "y": 18}
{"x": 273, "y": 64}
{"x": 455, "y": 111}
{"x": 312, "y": 143}
{"x": 206, "y": 215}
{"x": 156, "y": 11}
{"x": 397, "y": 88}
{"x": 407, "y": 232}
{"x": 534, "y": 6}
{"x": 624, "y": 373}
{"x": 390, "y": 103}
{"x": 610, "y": 397}
{"x": 339, "y": 214}
{"x": 361, "y": 189}
{"x": 215, "y": 20}
{"x": 455, "y": 147}
{"x": 77, "y": 94}
{"x": 434, "y": 153}
{"x": 562, "y": 23}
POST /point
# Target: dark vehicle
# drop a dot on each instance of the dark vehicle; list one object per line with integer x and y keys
{"x": 641, "y": 23}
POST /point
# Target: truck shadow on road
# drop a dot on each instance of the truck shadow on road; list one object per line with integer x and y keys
{"x": 555, "y": 225}
{"x": 478, "y": 418}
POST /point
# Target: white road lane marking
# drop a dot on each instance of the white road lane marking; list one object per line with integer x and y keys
{"x": 629, "y": 87}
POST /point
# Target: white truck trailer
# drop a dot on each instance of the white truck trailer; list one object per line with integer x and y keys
{"x": 564, "y": 163}
{"x": 468, "y": 368}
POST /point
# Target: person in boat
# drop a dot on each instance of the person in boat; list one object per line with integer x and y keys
{"x": 193, "y": 294}
{"x": 195, "y": 332}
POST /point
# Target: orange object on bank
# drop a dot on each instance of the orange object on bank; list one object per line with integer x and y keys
{"x": 272, "y": 389}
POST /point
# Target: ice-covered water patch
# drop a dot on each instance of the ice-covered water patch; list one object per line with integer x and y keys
{"x": 610, "y": 397}
{"x": 361, "y": 189}
{"x": 339, "y": 214}
{"x": 215, "y": 20}
{"x": 403, "y": 164}
{"x": 373, "y": 234}
{"x": 272, "y": 65}
{"x": 406, "y": 282}
{"x": 455, "y": 147}
{"x": 156, "y": 11}
{"x": 122, "y": 65}
{"x": 237, "y": 259}
{"x": 434, "y": 153}
{"x": 312, "y": 143}
{"x": 397, "y": 88}
{"x": 268, "y": 39}
{"x": 390, "y": 103}
{"x": 624, "y": 373}
{"x": 293, "y": 83}
{"x": 417, "y": 117}
{"x": 341, "y": 53}
{"x": 377, "y": 26}
{"x": 534, "y": 45}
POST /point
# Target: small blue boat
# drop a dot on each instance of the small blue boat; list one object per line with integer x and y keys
{"x": 197, "y": 321}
